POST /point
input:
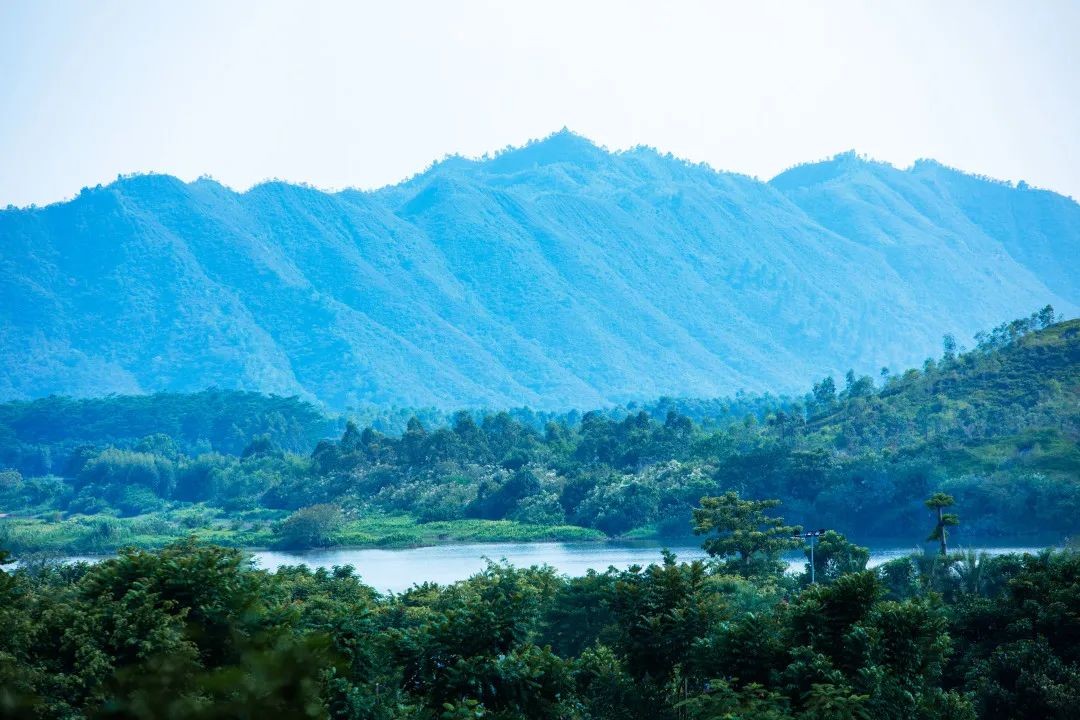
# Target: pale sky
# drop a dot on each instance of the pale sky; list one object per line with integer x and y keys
{"x": 365, "y": 94}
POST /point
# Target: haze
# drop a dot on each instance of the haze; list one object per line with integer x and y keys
{"x": 363, "y": 95}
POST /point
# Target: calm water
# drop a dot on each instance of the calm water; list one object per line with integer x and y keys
{"x": 397, "y": 570}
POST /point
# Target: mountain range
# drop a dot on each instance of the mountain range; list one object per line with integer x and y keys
{"x": 553, "y": 275}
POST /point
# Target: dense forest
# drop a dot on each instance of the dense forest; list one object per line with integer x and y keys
{"x": 195, "y": 632}
{"x": 995, "y": 426}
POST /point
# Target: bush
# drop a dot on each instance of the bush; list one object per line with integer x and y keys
{"x": 543, "y": 509}
{"x": 137, "y": 500}
{"x": 87, "y": 503}
{"x": 312, "y": 526}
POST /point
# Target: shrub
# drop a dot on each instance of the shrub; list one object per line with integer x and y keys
{"x": 312, "y": 526}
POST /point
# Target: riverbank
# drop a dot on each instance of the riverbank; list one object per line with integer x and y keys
{"x": 254, "y": 530}
{"x": 397, "y": 569}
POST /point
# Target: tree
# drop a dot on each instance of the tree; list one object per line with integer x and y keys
{"x": 835, "y": 556}
{"x": 413, "y": 440}
{"x": 948, "y": 346}
{"x": 260, "y": 446}
{"x": 312, "y": 526}
{"x": 1045, "y": 317}
{"x": 477, "y": 644}
{"x": 831, "y": 702}
{"x": 722, "y": 700}
{"x": 939, "y": 501}
{"x": 849, "y": 381}
{"x": 824, "y": 394}
{"x": 351, "y": 438}
{"x": 750, "y": 540}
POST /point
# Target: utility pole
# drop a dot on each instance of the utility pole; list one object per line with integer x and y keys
{"x": 813, "y": 535}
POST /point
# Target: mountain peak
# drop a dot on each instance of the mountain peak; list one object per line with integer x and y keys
{"x": 564, "y": 146}
{"x": 844, "y": 164}
{"x": 148, "y": 182}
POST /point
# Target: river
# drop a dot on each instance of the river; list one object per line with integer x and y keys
{"x": 398, "y": 570}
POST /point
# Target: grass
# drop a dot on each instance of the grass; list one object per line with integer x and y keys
{"x": 403, "y": 531}
{"x": 99, "y": 534}
{"x": 645, "y": 532}
{"x": 662, "y": 532}
{"x": 93, "y": 534}
{"x": 1037, "y": 451}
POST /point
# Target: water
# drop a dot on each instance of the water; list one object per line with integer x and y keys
{"x": 398, "y": 570}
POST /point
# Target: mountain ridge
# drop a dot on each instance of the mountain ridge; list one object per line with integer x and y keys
{"x": 555, "y": 275}
{"x": 459, "y": 161}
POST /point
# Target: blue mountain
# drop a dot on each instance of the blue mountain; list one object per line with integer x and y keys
{"x": 553, "y": 275}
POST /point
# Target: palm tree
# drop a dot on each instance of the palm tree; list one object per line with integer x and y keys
{"x": 970, "y": 569}
{"x": 939, "y": 501}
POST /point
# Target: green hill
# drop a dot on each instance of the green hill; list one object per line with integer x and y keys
{"x": 997, "y": 427}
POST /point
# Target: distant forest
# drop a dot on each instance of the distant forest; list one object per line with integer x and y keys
{"x": 995, "y": 426}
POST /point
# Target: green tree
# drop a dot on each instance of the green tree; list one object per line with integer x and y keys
{"x": 478, "y": 643}
{"x": 825, "y": 701}
{"x": 747, "y": 538}
{"x": 824, "y": 395}
{"x": 939, "y": 501}
{"x": 722, "y": 701}
{"x": 1045, "y": 317}
{"x": 260, "y": 446}
{"x": 835, "y": 556}
{"x": 312, "y": 526}
{"x": 948, "y": 347}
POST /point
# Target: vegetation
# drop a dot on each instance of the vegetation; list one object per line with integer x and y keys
{"x": 191, "y": 629}
{"x": 194, "y": 631}
{"x": 749, "y": 539}
{"x": 995, "y": 428}
{"x": 98, "y": 534}
{"x": 938, "y": 502}
{"x": 39, "y": 437}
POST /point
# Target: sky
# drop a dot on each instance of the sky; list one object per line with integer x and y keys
{"x": 365, "y": 94}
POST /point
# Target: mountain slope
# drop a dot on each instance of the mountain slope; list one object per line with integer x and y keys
{"x": 554, "y": 275}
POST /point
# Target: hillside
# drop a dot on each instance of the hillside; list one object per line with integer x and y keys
{"x": 997, "y": 427}
{"x": 38, "y": 437}
{"x": 554, "y": 275}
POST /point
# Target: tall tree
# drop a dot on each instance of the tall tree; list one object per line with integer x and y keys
{"x": 750, "y": 540}
{"x": 939, "y": 501}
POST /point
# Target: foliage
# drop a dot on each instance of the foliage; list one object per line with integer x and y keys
{"x": 834, "y": 556}
{"x": 749, "y": 540}
{"x": 194, "y": 631}
{"x": 938, "y": 501}
{"x": 996, "y": 428}
{"x": 312, "y": 526}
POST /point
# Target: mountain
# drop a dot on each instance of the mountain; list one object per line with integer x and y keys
{"x": 553, "y": 275}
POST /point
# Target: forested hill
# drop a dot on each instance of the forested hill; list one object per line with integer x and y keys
{"x": 555, "y": 275}
{"x": 996, "y": 426}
